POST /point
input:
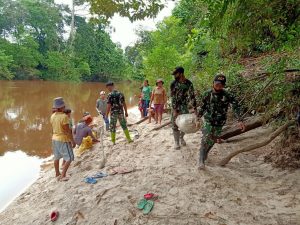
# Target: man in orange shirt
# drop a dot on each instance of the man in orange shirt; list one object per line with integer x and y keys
{"x": 62, "y": 139}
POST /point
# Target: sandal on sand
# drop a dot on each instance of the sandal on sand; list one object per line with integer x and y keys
{"x": 54, "y": 215}
{"x": 99, "y": 175}
{"x": 90, "y": 180}
{"x": 120, "y": 170}
{"x": 148, "y": 207}
{"x": 141, "y": 204}
{"x": 149, "y": 196}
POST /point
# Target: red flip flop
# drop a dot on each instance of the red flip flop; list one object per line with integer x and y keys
{"x": 149, "y": 196}
{"x": 54, "y": 216}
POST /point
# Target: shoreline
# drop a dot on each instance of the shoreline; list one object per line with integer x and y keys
{"x": 247, "y": 191}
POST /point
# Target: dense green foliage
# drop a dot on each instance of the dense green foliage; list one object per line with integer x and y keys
{"x": 33, "y": 45}
{"x": 134, "y": 9}
{"x": 211, "y": 36}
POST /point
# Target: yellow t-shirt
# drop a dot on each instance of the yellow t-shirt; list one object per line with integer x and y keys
{"x": 58, "y": 120}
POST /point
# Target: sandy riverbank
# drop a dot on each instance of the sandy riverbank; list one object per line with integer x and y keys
{"x": 246, "y": 192}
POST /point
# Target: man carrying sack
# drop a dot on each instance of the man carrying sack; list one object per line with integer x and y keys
{"x": 182, "y": 92}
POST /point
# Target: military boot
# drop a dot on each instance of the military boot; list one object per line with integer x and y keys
{"x": 182, "y": 141}
{"x": 113, "y": 138}
{"x": 176, "y": 138}
{"x": 126, "y": 132}
{"x": 201, "y": 165}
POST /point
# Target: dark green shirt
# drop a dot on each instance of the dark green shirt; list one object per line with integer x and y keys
{"x": 116, "y": 99}
{"x": 214, "y": 107}
{"x": 181, "y": 94}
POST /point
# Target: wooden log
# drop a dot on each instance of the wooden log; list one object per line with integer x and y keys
{"x": 138, "y": 122}
{"x": 224, "y": 161}
{"x": 250, "y": 125}
{"x": 161, "y": 126}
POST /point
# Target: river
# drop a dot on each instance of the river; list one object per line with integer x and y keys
{"x": 25, "y": 134}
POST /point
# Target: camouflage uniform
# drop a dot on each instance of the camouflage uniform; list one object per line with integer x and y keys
{"x": 214, "y": 107}
{"x": 182, "y": 93}
{"x": 116, "y": 99}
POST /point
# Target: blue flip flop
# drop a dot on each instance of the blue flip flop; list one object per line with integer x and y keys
{"x": 90, "y": 180}
{"x": 99, "y": 175}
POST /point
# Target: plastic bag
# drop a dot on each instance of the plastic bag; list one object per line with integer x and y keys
{"x": 187, "y": 123}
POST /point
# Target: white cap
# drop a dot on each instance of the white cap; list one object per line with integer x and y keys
{"x": 102, "y": 93}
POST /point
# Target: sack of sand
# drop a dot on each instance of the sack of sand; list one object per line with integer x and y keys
{"x": 188, "y": 123}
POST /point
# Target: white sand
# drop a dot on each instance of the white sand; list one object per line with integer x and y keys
{"x": 246, "y": 192}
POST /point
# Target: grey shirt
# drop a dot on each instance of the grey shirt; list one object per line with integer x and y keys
{"x": 82, "y": 130}
{"x": 101, "y": 105}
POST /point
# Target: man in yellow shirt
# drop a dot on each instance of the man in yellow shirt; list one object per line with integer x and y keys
{"x": 62, "y": 139}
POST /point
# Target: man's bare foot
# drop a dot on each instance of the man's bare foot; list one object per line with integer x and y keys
{"x": 58, "y": 177}
{"x": 64, "y": 178}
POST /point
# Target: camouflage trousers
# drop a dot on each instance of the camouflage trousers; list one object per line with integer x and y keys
{"x": 182, "y": 110}
{"x": 210, "y": 135}
{"x": 113, "y": 121}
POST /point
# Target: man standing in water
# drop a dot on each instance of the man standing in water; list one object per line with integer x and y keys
{"x": 214, "y": 107}
{"x": 61, "y": 138}
{"x": 116, "y": 106}
{"x": 182, "y": 92}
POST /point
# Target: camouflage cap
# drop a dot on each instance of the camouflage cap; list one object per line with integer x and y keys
{"x": 220, "y": 78}
{"x": 178, "y": 69}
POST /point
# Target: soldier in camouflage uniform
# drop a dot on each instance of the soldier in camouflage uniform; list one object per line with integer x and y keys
{"x": 116, "y": 106}
{"x": 182, "y": 93}
{"x": 214, "y": 107}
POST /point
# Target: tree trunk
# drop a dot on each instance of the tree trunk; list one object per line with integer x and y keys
{"x": 161, "y": 126}
{"x": 250, "y": 125}
{"x": 224, "y": 161}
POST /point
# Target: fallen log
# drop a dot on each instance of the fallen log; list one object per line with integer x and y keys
{"x": 224, "y": 161}
{"x": 250, "y": 125}
{"x": 138, "y": 122}
{"x": 161, "y": 126}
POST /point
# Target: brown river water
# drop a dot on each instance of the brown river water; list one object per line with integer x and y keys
{"x": 25, "y": 134}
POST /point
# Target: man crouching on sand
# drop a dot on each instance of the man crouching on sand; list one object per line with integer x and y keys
{"x": 61, "y": 139}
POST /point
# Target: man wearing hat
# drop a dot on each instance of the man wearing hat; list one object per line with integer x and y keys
{"x": 101, "y": 107}
{"x": 182, "y": 93}
{"x": 116, "y": 106}
{"x": 214, "y": 107}
{"x": 61, "y": 138}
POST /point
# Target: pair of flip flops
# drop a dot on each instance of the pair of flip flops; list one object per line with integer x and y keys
{"x": 120, "y": 170}
{"x": 92, "y": 179}
{"x": 145, "y": 205}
